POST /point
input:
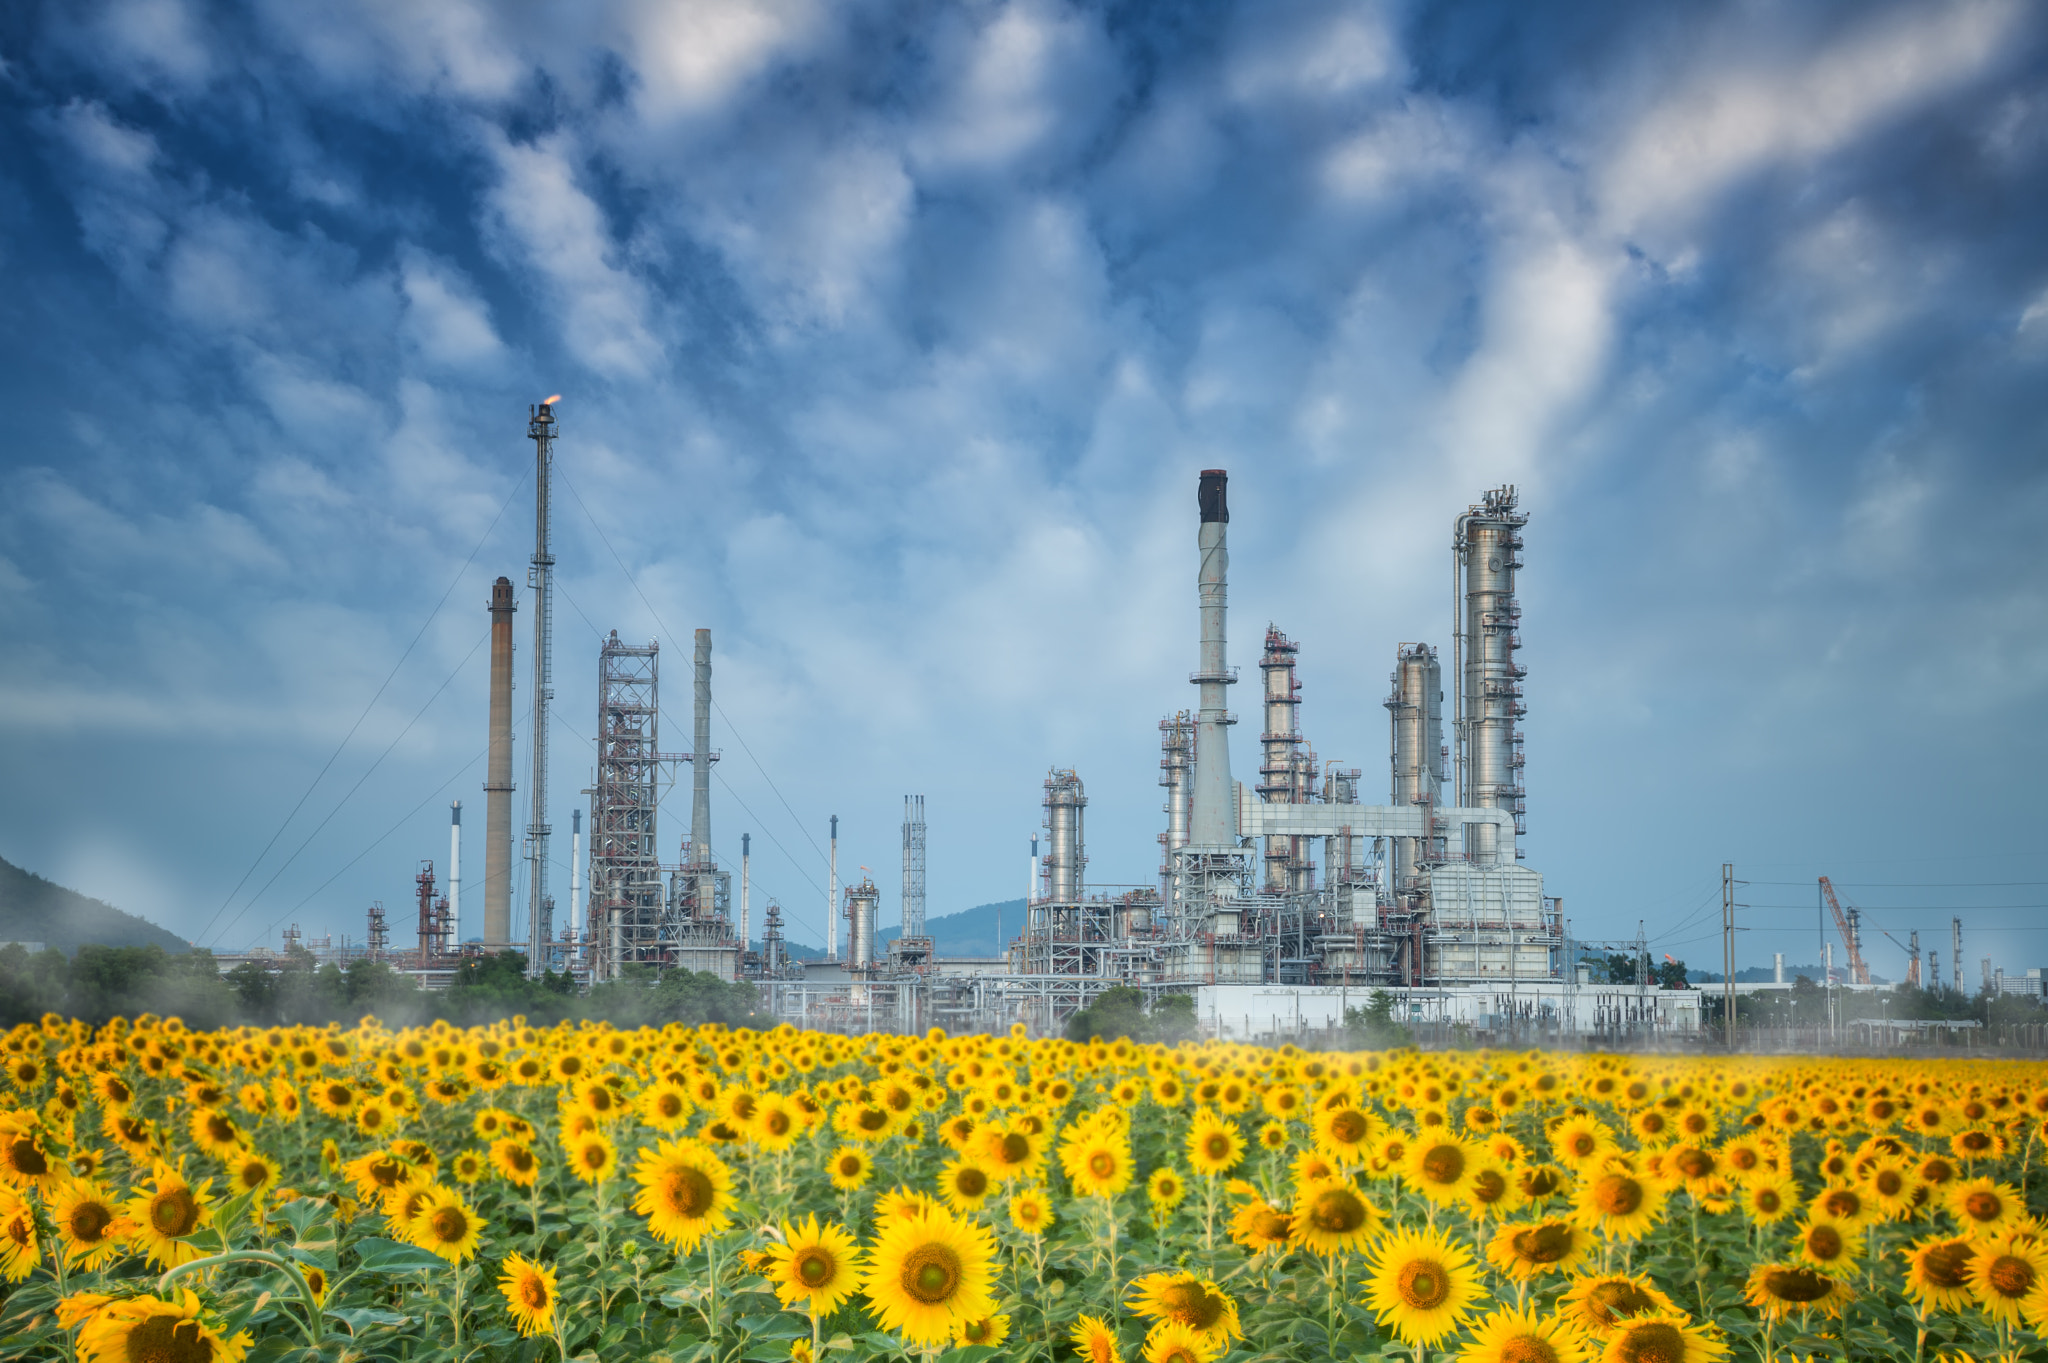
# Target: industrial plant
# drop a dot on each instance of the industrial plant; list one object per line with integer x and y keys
{"x": 1280, "y": 901}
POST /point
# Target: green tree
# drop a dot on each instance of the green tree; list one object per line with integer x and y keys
{"x": 1372, "y": 1027}
{"x": 1671, "y": 975}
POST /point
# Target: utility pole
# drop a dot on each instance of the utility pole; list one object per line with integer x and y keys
{"x": 1728, "y": 949}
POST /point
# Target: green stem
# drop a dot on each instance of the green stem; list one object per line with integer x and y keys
{"x": 455, "y": 1308}
{"x": 291, "y": 1270}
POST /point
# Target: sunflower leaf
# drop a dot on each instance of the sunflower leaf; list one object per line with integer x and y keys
{"x": 389, "y": 1256}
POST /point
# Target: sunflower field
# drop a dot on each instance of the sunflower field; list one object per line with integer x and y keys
{"x": 706, "y": 1195}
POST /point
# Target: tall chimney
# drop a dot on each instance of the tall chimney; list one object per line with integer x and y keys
{"x": 498, "y": 777}
{"x": 575, "y": 889}
{"x": 1213, "y": 823}
{"x": 455, "y": 877}
{"x": 746, "y": 856}
{"x": 832, "y": 897}
{"x": 700, "y": 780}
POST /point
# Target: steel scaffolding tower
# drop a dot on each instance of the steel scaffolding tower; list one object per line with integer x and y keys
{"x": 625, "y": 870}
{"x": 913, "y": 866}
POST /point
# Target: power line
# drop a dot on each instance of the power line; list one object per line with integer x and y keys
{"x": 318, "y": 777}
{"x": 663, "y": 627}
{"x": 370, "y": 771}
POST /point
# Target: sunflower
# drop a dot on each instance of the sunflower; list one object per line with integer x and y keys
{"x": 1031, "y": 1211}
{"x": 1260, "y": 1226}
{"x": 814, "y": 1268}
{"x": 1174, "y": 1343}
{"x": 1670, "y": 1337}
{"x": 1333, "y": 1217}
{"x": 468, "y": 1166}
{"x": 1938, "y": 1272}
{"x": 379, "y": 1173}
{"x": 926, "y": 1275}
{"x": 446, "y": 1224}
{"x": 592, "y": 1157}
{"x": 1422, "y": 1285}
{"x": 1098, "y": 1164}
{"x": 1165, "y": 1190}
{"x": 90, "y": 1225}
{"x": 1580, "y": 1142}
{"x": 850, "y": 1168}
{"x": 24, "y": 1161}
{"x": 529, "y": 1291}
{"x": 1009, "y": 1151}
{"x": 151, "y": 1328}
{"x": 135, "y": 1135}
{"x": 775, "y": 1124}
{"x": 1830, "y": 1246}
{"x": 1620, "y": 1204}
{"x": 20, "y": 1250}
{"x": 1599, "y": 1303}
{"x": 516, "y": 1161}
{"x": 685, "y": 1193}
{"x": 1214, "y": 1145}
{"x": 1440, "y": 1167}
{"x": 1845, "y": 1203}
{"x": 334, "y": 1097}
{"x": 1526, "y": 1336}
{"x": 1777, "y": 1290}
{"x": 2006, "y": 1270}
{"x": 1192, "y": 1302}
{"x": 1345, "y": 1132}
{"x": 1095, "y": 1341}
{"x": 665, "y": 1106}
{"x": 1767, "y": 1201}
{"x": 252, "y": 1171}
{"x": 1982, "y": 1207}
{"x": 214, "y": 1132}
{"x": 1522, "y": 1250}
{"x": 965, "y": 1185}
{"x": 990, "y": 1330}
{"x": 166, "y": 1214}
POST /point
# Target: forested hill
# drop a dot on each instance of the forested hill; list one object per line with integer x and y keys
{"x": 35, "y": 910}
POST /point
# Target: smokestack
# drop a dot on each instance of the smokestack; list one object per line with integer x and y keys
{"x": 498, "y": 777}
{"x": 1214, "y": 820}
{"x": 700, "y": 779}
{"x": 746, "y": 855}
{"x": 832, "y": 897}
{"x": 455, "y": 877}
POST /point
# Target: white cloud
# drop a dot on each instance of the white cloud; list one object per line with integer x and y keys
{"x": 158, "y": 43}
{"x": 548, "y": 226}
{"x": 693, "y": 55}
{"x": 1025, "y": 79}
{"x": 1733, "y": 117}
{"x": 444, "y": 317}
{"x": 1301, "y": 52}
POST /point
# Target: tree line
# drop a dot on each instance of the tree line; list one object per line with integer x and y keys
{"x": 100, "y": 982}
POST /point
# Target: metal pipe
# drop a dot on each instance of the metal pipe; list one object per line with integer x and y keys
{"x": 498, "y": 775}
{"x": 455, "y": 876}
{"x": 1213, "y": 823}
{"x": 540, "y": 576}
{"x": 746, "y": 919}
{"x": 705, "y": 880}
{"x": 576, "y": 887}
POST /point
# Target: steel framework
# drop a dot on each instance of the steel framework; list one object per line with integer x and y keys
{"x": 626, "y": 896}
{"x": 540, "y": 428}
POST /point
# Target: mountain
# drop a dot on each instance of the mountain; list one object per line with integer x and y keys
{"x": 35, "y": 910}
{"x": 970, "y": 932}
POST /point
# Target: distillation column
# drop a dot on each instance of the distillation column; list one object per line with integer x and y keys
{"x": 1176, "y": 764}
{"x": 1065, "y": 853}
{"x": 1489, "y": 743}
{"x": 1415, "y": 705}
{"x": 704, "y": 881}
{"x": 498, "y": 776}
{"x": 913, "y": 866}
{"x": 1279, "y": 741}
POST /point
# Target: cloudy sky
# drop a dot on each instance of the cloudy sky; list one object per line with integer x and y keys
{"x": 891, "y": 338}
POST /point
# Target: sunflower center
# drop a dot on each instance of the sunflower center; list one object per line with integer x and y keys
{"x": 815, "y": 1267}
{"x": 174, "y": 1212}
{"x": 1444, "y": 1164}
{"x": 449, "y": 1225}
{"x": 1544, "y": 1244}
{"x": 1610, "y": 1301}
{"x": 848, "y": 1166}
{"x": 690, "y": 1192}
{"x": 1841, "y": 1202}
{"x": 90, "y": 1221}
{"x": 1982, "y": 1206}
{"x": 1651, "y": 1342}
{"x": 1824, "y": 1243}
{"x": 534, "y": 1292}
{"x": 1271, "y": 1225}
{"x": 1695, "y": 1163}
{"x": 168, "y": 1339}
{"x": 1582, "y": 1144}
{"x": 1797, "y": 1285}
{"x": 1617, "y": 1195}
{"x": 873, "y": 1118}
{"x": 1192, "y": 1304}
{"x": 1338, "y": 1211}
{"x": 777, "y": 1123}
{"x": 594, "y": 1156}
{"x": 1217, "y": 1146}
{"x": 1540, "y": 1182}
{"x": 1348, "y": 1126}
{"x": 1488, "y": 1186}
{"x": 1528, "y": 1349}
{"x": 1423, "y": 1284}
{"x": 970, "y": 1182}
{"x": 931, "y": 1273}
{"x": 26, "y": 1158}
{"x": 1768, "y": 1200}
{"x": 1947, "y": 1265}
{"x": 1015, "y": 1148}
{"x": 2010, "y": 1276}
{"x": 1889, "y": 1182}
{"x": 1102, "y": 1164}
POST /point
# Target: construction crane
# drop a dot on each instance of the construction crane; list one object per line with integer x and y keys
{"x": 1912, "y": 951}
{"x": 1846, "y": 924}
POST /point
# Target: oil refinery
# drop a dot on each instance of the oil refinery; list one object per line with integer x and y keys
{"x": 1280, "y": 902}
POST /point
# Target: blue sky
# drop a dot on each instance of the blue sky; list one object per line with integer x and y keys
{"x": 891, "y": 338}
